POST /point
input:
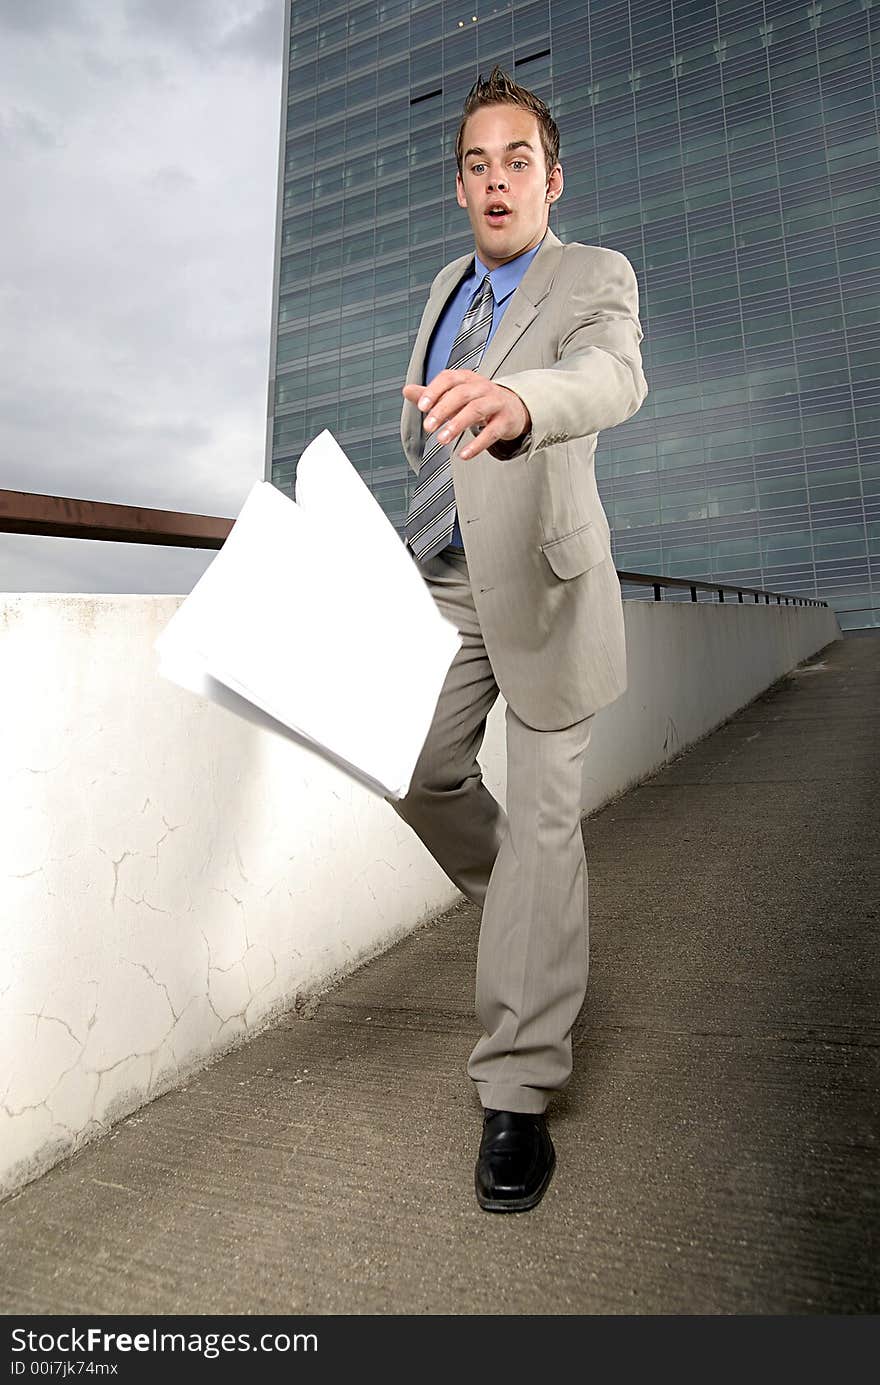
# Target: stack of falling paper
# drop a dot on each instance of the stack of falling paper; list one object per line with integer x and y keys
{"x": 313, "y": 621}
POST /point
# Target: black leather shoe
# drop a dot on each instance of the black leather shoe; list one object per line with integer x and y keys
{"x": 515, "y": 1163}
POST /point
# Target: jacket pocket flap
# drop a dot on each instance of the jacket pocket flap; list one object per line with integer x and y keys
{"x": 577, "y": 552}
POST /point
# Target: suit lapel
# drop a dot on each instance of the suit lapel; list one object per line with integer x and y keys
{"x": 523, "y": 306}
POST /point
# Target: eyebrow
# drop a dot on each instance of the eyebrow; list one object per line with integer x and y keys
{"x": 514, "y": 144}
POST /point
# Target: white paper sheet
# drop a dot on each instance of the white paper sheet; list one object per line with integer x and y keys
{"x": 314, "y": 621}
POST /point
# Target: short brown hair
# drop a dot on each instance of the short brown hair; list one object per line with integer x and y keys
{"x": 501, "y": 90}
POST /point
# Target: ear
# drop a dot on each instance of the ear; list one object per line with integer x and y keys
{"x": 555, "y": 184}
{"x": 460, "y": 195}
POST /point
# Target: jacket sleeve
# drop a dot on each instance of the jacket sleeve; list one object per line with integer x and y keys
{"x": 597, "y": 380}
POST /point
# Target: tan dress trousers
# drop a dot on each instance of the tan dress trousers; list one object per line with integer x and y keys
{"x": 526, "y": 867}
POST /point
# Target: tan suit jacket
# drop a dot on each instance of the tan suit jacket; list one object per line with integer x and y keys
{"x": 535, "y": 533}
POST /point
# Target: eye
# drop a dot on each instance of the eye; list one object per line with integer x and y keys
{"x": 477, "y": 168}
{"x": 520, "y": 163}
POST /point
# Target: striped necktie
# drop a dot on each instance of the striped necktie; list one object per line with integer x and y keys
{"x": 430, "y": 519}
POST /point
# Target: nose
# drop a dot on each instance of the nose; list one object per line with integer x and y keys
{"x": 499, "y": 183}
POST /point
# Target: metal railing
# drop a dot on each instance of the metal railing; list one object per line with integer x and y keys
{"x": 23, "y": 512}
{"x": 646, "y": 579}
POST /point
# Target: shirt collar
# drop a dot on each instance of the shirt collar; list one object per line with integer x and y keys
{"x": 506, "y": 277}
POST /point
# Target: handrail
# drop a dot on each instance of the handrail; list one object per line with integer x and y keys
{"x": 24, "y": 512}
{"x": 647, "y": 579}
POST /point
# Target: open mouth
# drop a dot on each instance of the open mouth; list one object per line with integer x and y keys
{"x": 496, "y": 215}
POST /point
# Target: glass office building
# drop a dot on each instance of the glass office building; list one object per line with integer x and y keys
{"x": 729, "y": 149}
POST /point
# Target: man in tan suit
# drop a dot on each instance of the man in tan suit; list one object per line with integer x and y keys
{"x": 505, "y": 394}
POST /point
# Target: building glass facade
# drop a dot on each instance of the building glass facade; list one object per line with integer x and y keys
{"x": 729, "y": 149}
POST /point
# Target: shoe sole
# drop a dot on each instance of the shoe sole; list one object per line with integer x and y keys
{"x": 518, "y": 1204}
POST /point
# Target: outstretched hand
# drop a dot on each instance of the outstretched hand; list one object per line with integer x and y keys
{"x": 459, "y": 399}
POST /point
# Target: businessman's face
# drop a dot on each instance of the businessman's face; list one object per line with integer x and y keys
{"x": 505, "y": 184}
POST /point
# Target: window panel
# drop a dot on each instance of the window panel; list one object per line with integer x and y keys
{"x": 392, "y": 239}
{"x": 325, "y": 297}
{"x": 355, "y": 372}
{"x": 294, "y": 305}
{"x": 292, "y": 346}
{"x": 355, "y": 414}
{"x": 326, "y": 258}
{"x": 290, "y": 388}
{"x": 323, "y": 336}
{"x": 325, "y": 415}
{"x": 356, "y": 328}
{"x": 329, "y": 103}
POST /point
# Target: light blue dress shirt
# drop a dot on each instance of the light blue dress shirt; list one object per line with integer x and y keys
{"x": 505, "y": 279}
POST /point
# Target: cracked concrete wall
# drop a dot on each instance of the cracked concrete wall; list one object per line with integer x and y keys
{"x": 173, "y": 878}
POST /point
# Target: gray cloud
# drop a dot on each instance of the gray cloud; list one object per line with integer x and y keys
{"x": 44, "y": 16}
{"x": 135, "y": 66}
{"x": 30, "y": 563}
{"x": 259, "y": 37}
{"x": 172, "y": 180}
{"x": 193, "y": 25}
{"x": 243, "y": 29}
{"x": 227, "y": 28}
{"x": 135, "y": 277}
{"x": 21, "y": 131}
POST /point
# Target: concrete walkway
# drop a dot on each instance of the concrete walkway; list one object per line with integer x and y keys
{"x": 717, "y": 1144}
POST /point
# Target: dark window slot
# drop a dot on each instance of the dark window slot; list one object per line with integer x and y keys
{"x": 533, "y": 57}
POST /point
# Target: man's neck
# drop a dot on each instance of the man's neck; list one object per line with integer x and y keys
{"x": 482, "y": 266}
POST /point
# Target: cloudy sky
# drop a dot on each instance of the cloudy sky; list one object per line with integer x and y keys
{"x": 138, "y": 158}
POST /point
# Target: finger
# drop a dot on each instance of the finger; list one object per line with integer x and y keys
{"x": 487, "y": 438}
{"x": 416, "y": 394}
{"x": 473, "y": 415}
{"x": 446, "y": 380}
{"x": 443, "y": 415}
